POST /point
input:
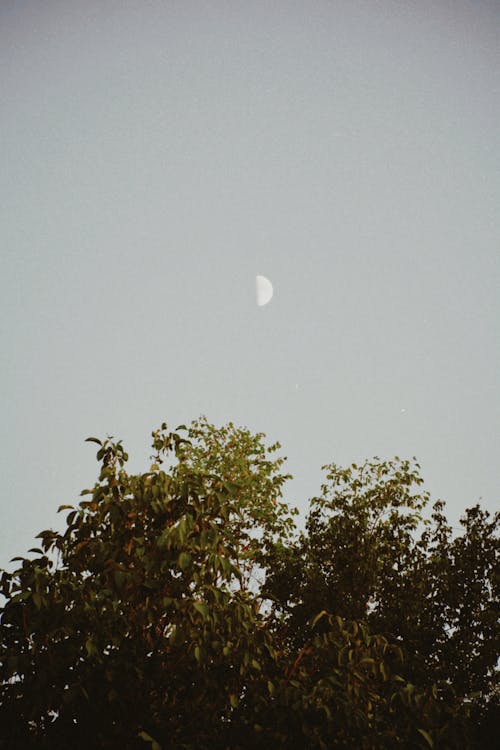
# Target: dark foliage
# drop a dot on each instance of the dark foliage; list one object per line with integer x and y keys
{"x": 179, "y": 609}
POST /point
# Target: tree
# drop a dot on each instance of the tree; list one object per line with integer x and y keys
{"x": 178, "y": 609}
{"x": 139, "y": 621}
{"x": 369, "y": 553}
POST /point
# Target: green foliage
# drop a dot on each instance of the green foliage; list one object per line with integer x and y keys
{"x": 370, "y": 553}
{"x": 179, "y": 610}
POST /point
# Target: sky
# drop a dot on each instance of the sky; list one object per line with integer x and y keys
{"x": 156, "y": 156}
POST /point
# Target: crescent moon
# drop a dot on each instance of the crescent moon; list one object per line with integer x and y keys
{"x": 263, "y": 289}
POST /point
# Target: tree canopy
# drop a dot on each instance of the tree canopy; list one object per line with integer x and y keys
{"x": 181, "y": 608}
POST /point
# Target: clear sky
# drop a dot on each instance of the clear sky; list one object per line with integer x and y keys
{"x": 156, "y": 156}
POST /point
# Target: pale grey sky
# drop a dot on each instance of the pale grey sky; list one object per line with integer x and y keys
{"x": 156, "y": 156}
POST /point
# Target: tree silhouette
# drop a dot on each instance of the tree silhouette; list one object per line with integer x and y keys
{"x": 180, "y": 609}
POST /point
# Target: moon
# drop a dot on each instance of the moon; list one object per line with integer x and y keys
{"x": 263, "y": 289}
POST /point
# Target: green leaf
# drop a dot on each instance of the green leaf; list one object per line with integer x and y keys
{"x": 21, "y": 597}
{"x": 426, "y": 737}
{"x": 65, "y": 507}
{"x": 147, "y": 738}
{"x": 184, "y": 560}
{"x": 366, "y": 660}
{"x": 93, "y": 440}
{"x": 226, "y": 566}
{"x": 181, "y": 529}
{"x": 318, "y": 617}
{"x": 233, "y": 699}
{"x": 202, "y": 609}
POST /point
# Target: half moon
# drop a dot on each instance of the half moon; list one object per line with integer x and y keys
{"x": 263, "y": 289}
